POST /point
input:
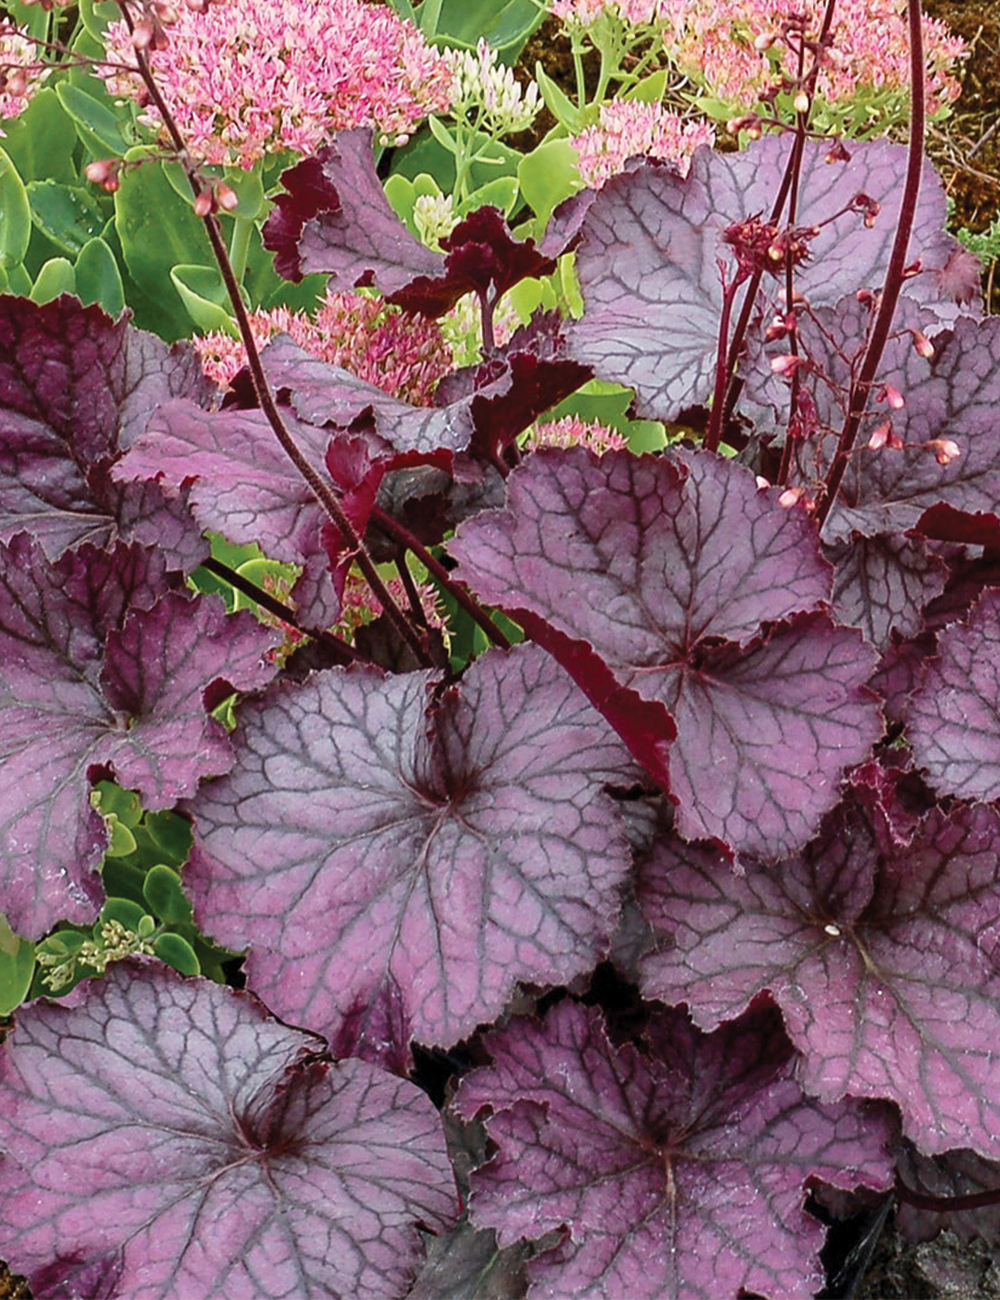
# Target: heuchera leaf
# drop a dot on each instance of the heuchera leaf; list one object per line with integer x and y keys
{"x": 336, "y": 219}
{"x": 482, "y": 258}
{"x": 884, "y": 965}
{"x": 952, "y": 718}
{"x": 168, "y": 1138}
{"x": 881, "y": 584}
{"x": 674, "y": 572}
{"x": 323, "y": 394}
{"x": 400, "y": 855}
{"x": 101, "y": 667}
{"x": 675, "y": 1174}
{"x": 76, "y": 389}
{"x": 648, "y": 259}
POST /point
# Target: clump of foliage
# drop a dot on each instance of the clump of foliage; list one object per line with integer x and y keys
{"x": 618, "y": 878}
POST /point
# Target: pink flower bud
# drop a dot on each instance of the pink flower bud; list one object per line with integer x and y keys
{"x": 762, "y": 482}
{"x": 785, "y": 364}
{"x": 838, "y": 154}
{"x": 945, "y": 450}
{"x": 885, "y": 436}
{"x": 764, "y": 42}
{"x": 923, "y": 345}
{"x": 226, "y": 197}
{"x": 913, "y": 269}
{"x": 801, "y": 102}
{"x": 203, "y": 204}
{"x": 893, "y": 397}
{"x": 790, "y": 497}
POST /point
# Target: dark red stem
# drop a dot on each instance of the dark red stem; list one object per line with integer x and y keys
{"x": 861, "y": 388}
{"x": 320, "y": 489}
{"x": 399, "y": 533}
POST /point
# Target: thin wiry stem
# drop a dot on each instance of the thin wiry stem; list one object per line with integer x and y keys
{"x": 262, "y": 389}
{"x": 895, "y": 275}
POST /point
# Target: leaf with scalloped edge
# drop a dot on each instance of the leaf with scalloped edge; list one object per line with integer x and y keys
{"x": 882, "y": 584}
{"x": 102, "y": 666}
{"x": 696, "y": 591}
{"x": 334, "y": 217}
{"x": 76, "y": 389}
{"x": 648, "y": 259}
{"x": 884, "y": 965}
{"x": 399, "y": 853}
{"x": 952, "y": 718}
{"x": 675, "y": 1174}
{"x": 167, "y": 1137}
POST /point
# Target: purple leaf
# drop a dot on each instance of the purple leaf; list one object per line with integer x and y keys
{"x": 952, "y": 718}
{"x": 323, "y": 394}
{"x": 648, "y": 260}
{"x": 167, "y": 1137}
{"x": 482, "y": 258}
{"x": 678, "y": 1174}
{"x": 76, "y": 389}
{"x": 952, "y": 397}
{"x": 672, "y": 574}
{"x": 99, "y": 668}
{"x": 881, "y": 584}
{"x": 884, "y": 964}
{"x": 240, "y": 482}
{"x": 335, "y": 218}
{"x": 400, "y": 855}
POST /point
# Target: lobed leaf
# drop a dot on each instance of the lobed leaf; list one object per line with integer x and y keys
{"x": 335, "y": 218}
{"x": 167, "y": 1137}
{"x": 673, "y": 1174}
{"x": 76, "y": 390}
{"x": 399, "y": 853}
{"x": 693, "y": 590}
{"x": 884, "y": 963}
{"x": 101, "y": 667}
{"x": 648, "y": 260}
{"x": 953, "y": 722}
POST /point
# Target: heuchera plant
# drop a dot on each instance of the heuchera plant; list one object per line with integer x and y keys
{"x": 647, "y": 820}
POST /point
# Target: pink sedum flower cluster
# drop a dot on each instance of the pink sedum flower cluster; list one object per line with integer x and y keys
{"x": 360, "y": 606}
{"x": 21, "y": 73}
{"x": 571, "y": 431}
{"x": 628, "y": 128}
{"x": 402, "y": 354}
{"x": 244, "y": 79}
{"x": 724, "y": 46}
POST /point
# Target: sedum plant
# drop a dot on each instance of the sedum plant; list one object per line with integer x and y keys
{"x": 462, "y": 833}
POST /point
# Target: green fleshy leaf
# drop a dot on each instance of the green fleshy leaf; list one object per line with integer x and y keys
{"x": 68, "y": 215}
{"x": 15, "y": 228}
{"x": 41, "y": 140}
{"x": 98, "y": 278}
{"x": 95, "y": 123}
{"x": 177, "y": 952}
{"x": 54, "y": 279}
{"x": 547, "y": 176}
{"x": 204, "y": 295}
{"x": 164, "y": 895}
{"x": 17, "y": 965}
